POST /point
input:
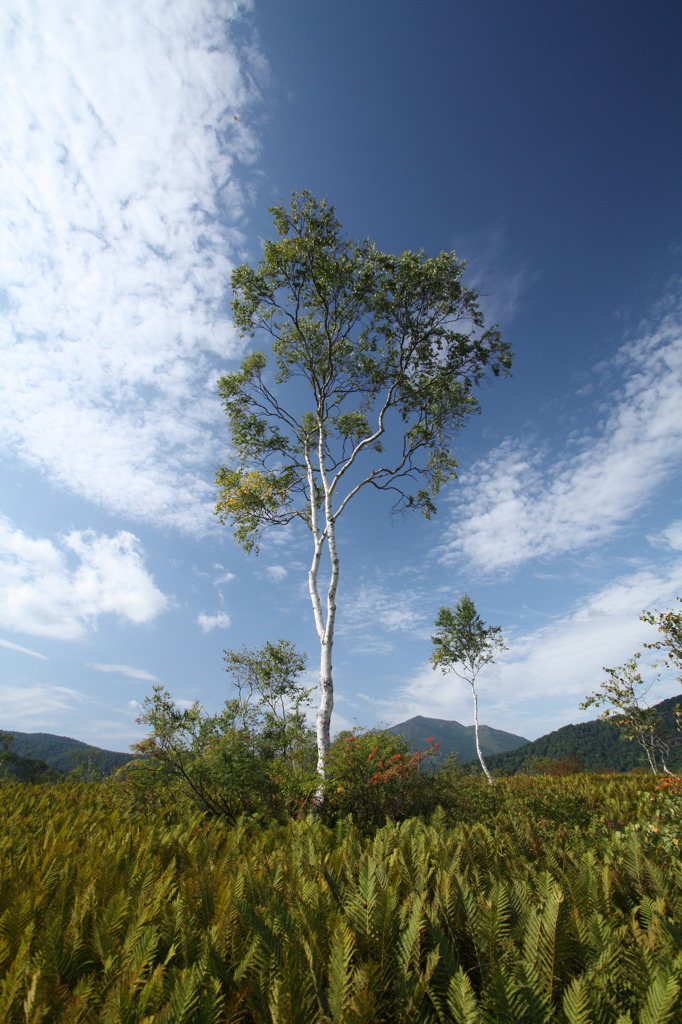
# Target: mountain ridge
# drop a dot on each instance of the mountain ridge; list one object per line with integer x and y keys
{"x": 598, "y": 744}
{"x": 454, "y": 737}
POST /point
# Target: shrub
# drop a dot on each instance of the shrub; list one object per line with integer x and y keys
{"x": 256, "y": 756}
{"x": 375, "y": 776}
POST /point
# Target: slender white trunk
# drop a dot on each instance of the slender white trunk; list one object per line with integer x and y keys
{"x": 324, "y": 625}
{"x": 649, "y": 751}
{"x": 326, "y": 685}
{"x": 324, "y": 711}
{"x": 478, "y": 745}
{"x": 314, "y": 590}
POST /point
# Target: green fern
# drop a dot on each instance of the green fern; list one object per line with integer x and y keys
{"x": 576, "y": 1003}
{"x": 462, "y": 1001}
{"x": 662, "y": 1000}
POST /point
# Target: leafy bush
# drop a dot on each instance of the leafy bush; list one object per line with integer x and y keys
{"x": 375, "y": 776}
{"x": 256, "y": 756}
{"x": 659, "y": 822}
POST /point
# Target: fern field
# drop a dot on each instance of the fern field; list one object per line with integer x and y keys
{"x": 126, "y": 915}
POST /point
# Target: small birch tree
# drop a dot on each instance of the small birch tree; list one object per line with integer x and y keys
{"x": 375, "y": 358}
{"x": 623, "y": 696}
{"x": 623, "y": 693}
{"x": 463, "y": 645}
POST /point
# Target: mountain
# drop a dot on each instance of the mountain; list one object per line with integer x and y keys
{"x": 63, "y": 754}
{"x": 598, "y": 744}
{"x": 455, "y": 738}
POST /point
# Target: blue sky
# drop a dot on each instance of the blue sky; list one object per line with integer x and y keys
{"x": 140, "y": 147}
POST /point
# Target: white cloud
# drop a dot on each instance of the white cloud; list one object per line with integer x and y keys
{"x": 520, "y": 503}
{"x": 226, "y": 577}
{"x": 114, "y": 734}
{"x": 22, "y": 650}
{"x": 276, "y": 573}
{"x": 391, "y": 610}
{"x": 120, "y": 164}
{"x": 671, "y": 537}
{"x": 33, "y": 706}
{"x": 125, "y": 670}
{"x": 208, "y": 622}
{"x": 42, "y": 595}
{"x": 373, "y": 611}
{"x": 288, "y": 536}
{"x": 537, "y": 685}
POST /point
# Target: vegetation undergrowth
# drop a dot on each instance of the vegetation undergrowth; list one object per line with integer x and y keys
{"x": 538, "y": 900}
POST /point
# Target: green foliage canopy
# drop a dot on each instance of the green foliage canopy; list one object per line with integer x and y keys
{"x": 382, "y": 342}
{"x": 463, "y": 643}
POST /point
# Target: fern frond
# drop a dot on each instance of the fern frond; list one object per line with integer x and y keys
{"x": 540, "y": 943}
{"x": 662, "y": 1000}
{"x": 576, "y": 1003}
{"x": 410, "y": 941}
{"x": 184, "y": 1001}
{"x": 462, "y": 1000}
{"x": 341, "y": 956}
{"x": 365, "y": 1001}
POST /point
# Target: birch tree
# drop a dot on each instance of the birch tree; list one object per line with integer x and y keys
{"x": 623, "y": 693}
{"x": 372, "y": 367}
{"x": 463, "y": 644}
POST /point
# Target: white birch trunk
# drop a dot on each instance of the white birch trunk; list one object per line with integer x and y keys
{"x": 324, "y": 625}
{"x": 478, "y": 745}
{"x": 324, "y": 711}
{"x": 650, "y": 756}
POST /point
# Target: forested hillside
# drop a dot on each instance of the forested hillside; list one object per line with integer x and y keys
{"x": 64, "y": 754}
{"x": 599, "y": 745}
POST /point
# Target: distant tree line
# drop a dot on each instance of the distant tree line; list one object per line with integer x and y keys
{"x": 598, "y": 745}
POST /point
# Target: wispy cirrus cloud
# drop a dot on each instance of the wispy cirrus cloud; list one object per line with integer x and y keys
{"x": 22, "y": 650}
{"x": 123, "y": 143}
{"x": 125, "y": 670}
{"x": 523, "y": 502}
{"x": 42, "y": 593}
{"x": 276, "y": 573}
{"x": 488, "y": 269}
{"x": 670, "y": 536}
{"x": 224, "y": 577}
{"x": 374, "y": 612}
{"x": 33, "y": 706}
